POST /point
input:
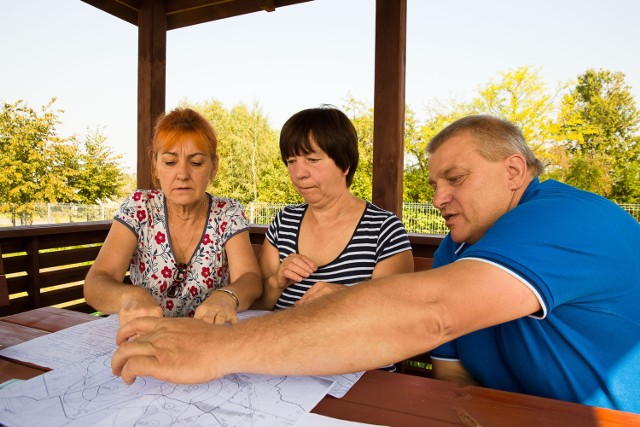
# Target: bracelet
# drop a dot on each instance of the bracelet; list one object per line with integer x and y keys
{"x": 231, "y": 294}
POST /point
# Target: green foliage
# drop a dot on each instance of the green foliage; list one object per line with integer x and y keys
{"x": 98, "y": 173}
{"x": 598, "y": 131}
{"x": 361, "y": 116}
{"x": 251, "y": 168}
{"x": 589, "y": 140}
{"x": 39, "y": 166}
{"x": 520, "y": 96}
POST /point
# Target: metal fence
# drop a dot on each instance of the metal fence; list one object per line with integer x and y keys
{"x": 634, "y": 210}
{"x": 60, "y": 213}
{"x": 417, "y": 217}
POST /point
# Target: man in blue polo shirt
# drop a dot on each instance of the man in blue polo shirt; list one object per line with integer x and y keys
{"x": 536, "y": 290}
{"x": 577, "y": 252}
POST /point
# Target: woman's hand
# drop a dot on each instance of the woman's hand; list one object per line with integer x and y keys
{"x": 138, "y": 303}
{"x": 293, "y": 269}
{"x": 318, "y": 290}
{"x": 219, "y": 308}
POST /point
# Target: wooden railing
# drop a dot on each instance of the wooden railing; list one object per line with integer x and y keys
{"x": 45, "y": 265}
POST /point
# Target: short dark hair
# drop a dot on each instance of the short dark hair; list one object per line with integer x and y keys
{"x": 330, "y": 129}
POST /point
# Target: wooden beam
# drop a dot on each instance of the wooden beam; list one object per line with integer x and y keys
{"x": 185, "y": 13}
{"x": 389, "y": 104}
{"x": 123, "y": 9}
{"x": 152, "y": 64}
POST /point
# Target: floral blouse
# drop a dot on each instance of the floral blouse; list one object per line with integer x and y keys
{"x": 154, "y": 265}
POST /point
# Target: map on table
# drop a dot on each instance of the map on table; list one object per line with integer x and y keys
{"x": 87, "y": 393}
{"x": 81, "y": 389}
{"x": 95, "y": 338}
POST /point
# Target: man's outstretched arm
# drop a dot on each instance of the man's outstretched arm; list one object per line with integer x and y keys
{"x": 357, "y": 328}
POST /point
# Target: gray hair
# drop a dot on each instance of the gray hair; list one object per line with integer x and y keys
{"x": 497, "y": 139}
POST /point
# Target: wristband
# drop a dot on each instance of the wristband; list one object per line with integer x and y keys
{"x": 231, "y": 294}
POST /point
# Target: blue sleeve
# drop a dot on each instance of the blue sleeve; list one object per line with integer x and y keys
{"x": 447, "y": 351}
{"x": 446, "y": 252}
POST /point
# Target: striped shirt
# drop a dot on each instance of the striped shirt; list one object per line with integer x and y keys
{"x": 378, "y": 236}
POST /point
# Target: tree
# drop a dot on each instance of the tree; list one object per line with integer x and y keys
{"x": 40, "y": 166}
{"x": 361, "y": 116}
{"x": 250, "y": 165}
{"x": 598, "y": 126}
{"x": 416, "y": 175}
{"x": 34, "y": 160}
{"x": 98, "y": 176}
{"x": 520, "y": 96}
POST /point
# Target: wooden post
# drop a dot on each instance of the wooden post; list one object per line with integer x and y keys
{"x": 152, "y": 60}
{"x": 389, "y": 104}
{"x": 33, "y": 270}
{"x": 4, "y": 288}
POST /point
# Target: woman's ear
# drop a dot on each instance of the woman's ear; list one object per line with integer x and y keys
{"x": 517, "y": 171}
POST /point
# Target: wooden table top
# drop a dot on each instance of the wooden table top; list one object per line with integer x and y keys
{"x": 379, "y": 397}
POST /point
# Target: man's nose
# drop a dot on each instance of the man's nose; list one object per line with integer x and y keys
{"x": 441, "y": 197}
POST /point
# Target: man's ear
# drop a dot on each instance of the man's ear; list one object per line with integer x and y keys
{"x": 517, "y": 171}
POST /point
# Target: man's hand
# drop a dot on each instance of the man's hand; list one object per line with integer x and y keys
{"x": 169, "y": 349}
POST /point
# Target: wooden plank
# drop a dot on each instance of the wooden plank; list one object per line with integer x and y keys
{"x": 422, "y": 264}
{"x": 63, "y": 276}
{"x": 72, "y": 239}
{"x": 446, "y": 403}
{"x": 357, "y": 412}
{"x": 12, "y": 334}
{"x": 123, "y": 9}
{"x": 152, "y": 58}
{"x": 17, "y": 284}
{"x": 389, "y": 104}
{"x": 15, "y": 264}
{"x": 68, "y": 256}
{"x": 425, "y": 245}
{"x": 12, "y": 370}
{"x": 61, "y": 296}
{"x": 185, "y": 13}
{"x": 4, "y": 287}
{"x": 49, "y": 319}
{"x": 17, "y": 305}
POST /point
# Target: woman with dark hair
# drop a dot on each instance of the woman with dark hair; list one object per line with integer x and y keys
{"x": 334, "y": 239}
{"x": 188, "y": 252}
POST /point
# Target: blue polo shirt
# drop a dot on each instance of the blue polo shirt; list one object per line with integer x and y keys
{"x": 580, "y": 254}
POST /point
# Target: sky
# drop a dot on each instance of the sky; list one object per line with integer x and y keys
{"x": 301, "y": 56}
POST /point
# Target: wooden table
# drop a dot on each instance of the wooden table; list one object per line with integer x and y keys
{"x": 378, "y": 398}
